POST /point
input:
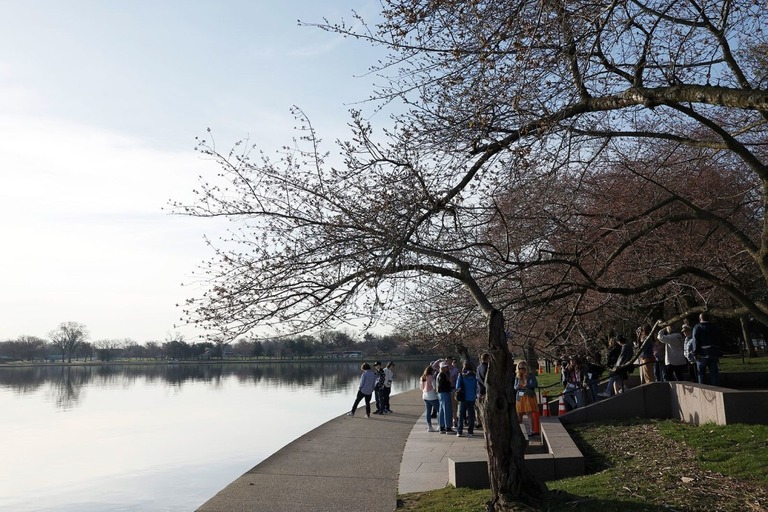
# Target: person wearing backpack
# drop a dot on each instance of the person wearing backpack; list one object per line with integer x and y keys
{"x": 466, "y": 394}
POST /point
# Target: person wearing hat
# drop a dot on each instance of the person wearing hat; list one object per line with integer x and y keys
{"x": 444, "y": 392}
{"x": 674, "y": 356}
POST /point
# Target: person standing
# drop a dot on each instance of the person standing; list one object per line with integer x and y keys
{"x": 574, "y": 382}
{"x": 647, "y": 359}
{"x": 614, "y": 349}
{"x": 429, "y": 395}
{"x": 389, "y": 375}
{"x": 378, "y": 387}
{"x": 364, "y": 390}
{"x": 454, "y": 371}
{"x": 623, "y": 364}
{"x": 482, "y": 372}
{"x": 525, "y": 395}
{"x": 674, "y": 354}
{"x": 466, "y": 394}
{"x": 707, "y": 340}
{"x": 688, "y": 351}
{"x": 444, "y": 393}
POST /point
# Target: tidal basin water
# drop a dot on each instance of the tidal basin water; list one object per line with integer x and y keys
{"x": 158, "y": 437}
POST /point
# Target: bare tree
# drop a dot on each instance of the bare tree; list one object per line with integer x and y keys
{"x": 505, "y": 100}
{"x": 68, "y": 337}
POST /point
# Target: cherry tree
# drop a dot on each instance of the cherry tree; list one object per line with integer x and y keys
{"x": 518, "y": 117}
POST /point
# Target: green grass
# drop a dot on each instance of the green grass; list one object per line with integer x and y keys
{"x": 737, "y": 450}
{"x": 734, "y": 363}
{"x": 642, "y": 465}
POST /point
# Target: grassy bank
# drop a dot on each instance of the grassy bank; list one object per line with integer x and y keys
{"x": 651, "y": 466}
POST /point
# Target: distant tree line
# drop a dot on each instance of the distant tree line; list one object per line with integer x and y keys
{"x": 70, "y": 341}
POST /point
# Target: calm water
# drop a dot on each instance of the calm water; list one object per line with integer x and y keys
{"x": 157, "y": 438}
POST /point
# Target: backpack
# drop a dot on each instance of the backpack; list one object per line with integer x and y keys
{"x": 379, "y": 380}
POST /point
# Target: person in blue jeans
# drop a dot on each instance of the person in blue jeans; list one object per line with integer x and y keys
{"x": 444, "y": 391}
{"x": 429, "y": 395}
{"x": 466, "y": 383}
{"x": 707, "y": 339}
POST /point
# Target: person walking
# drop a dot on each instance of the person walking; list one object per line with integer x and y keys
{"x": 429, "y": 395}
{"x": 364, "y": 390}
{"x": 466, "y": 394}
{"x": 444, "y": 393}
{"x": 674, "y": 354}
{"x": 707, "y": 340}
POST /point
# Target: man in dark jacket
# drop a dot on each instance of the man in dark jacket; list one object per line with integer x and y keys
{"x": 707, "y": 340}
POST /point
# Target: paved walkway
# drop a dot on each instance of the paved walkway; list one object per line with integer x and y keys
{"x": 351, "y": 463}
{"x": 348, "y": 463}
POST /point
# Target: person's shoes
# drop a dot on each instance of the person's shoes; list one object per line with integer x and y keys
{"x": 442, "y": 431}
{"x": 431, "y": 429}
{"x": 367, "y": 415}
{"x": 388, "y": 411}
{"x": 603, "y": 395}
{"x": 469, "y": 435}
{"x": 449, "y": 431}
{"x": 458, "y": 434}
{"x": 350, "y": 414}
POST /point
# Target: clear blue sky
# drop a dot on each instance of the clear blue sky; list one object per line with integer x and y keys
{"x": 100, "y": 102}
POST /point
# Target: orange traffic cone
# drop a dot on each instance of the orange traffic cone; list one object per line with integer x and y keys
{"x": 541, "y": 370}
{"x": 544, "y": 406}
{"x": 535, "y": 426}
{"x": 557, "y": 368}
{"x": 561, "y": 407}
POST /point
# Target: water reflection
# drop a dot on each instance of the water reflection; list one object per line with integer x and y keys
{"x": 66, "y": 383}
{"x": 139, "y": 437}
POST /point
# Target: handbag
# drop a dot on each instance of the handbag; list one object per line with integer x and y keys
{"x": 460, "y": 394}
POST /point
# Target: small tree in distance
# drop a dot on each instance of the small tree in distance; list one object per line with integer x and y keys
{"x": 68, "y": 338}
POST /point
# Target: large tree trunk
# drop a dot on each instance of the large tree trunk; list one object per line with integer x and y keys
{"x": 511, "y": 483}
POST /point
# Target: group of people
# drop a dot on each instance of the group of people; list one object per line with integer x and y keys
{"x": 376, "y": 382}
{"x": 689, "y": 354}
{"x": 451, "y": 393}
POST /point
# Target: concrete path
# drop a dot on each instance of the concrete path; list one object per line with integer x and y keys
{"x": 348, "y": 463}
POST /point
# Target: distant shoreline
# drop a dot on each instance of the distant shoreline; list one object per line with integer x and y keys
{"x": 269, "y": 360}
